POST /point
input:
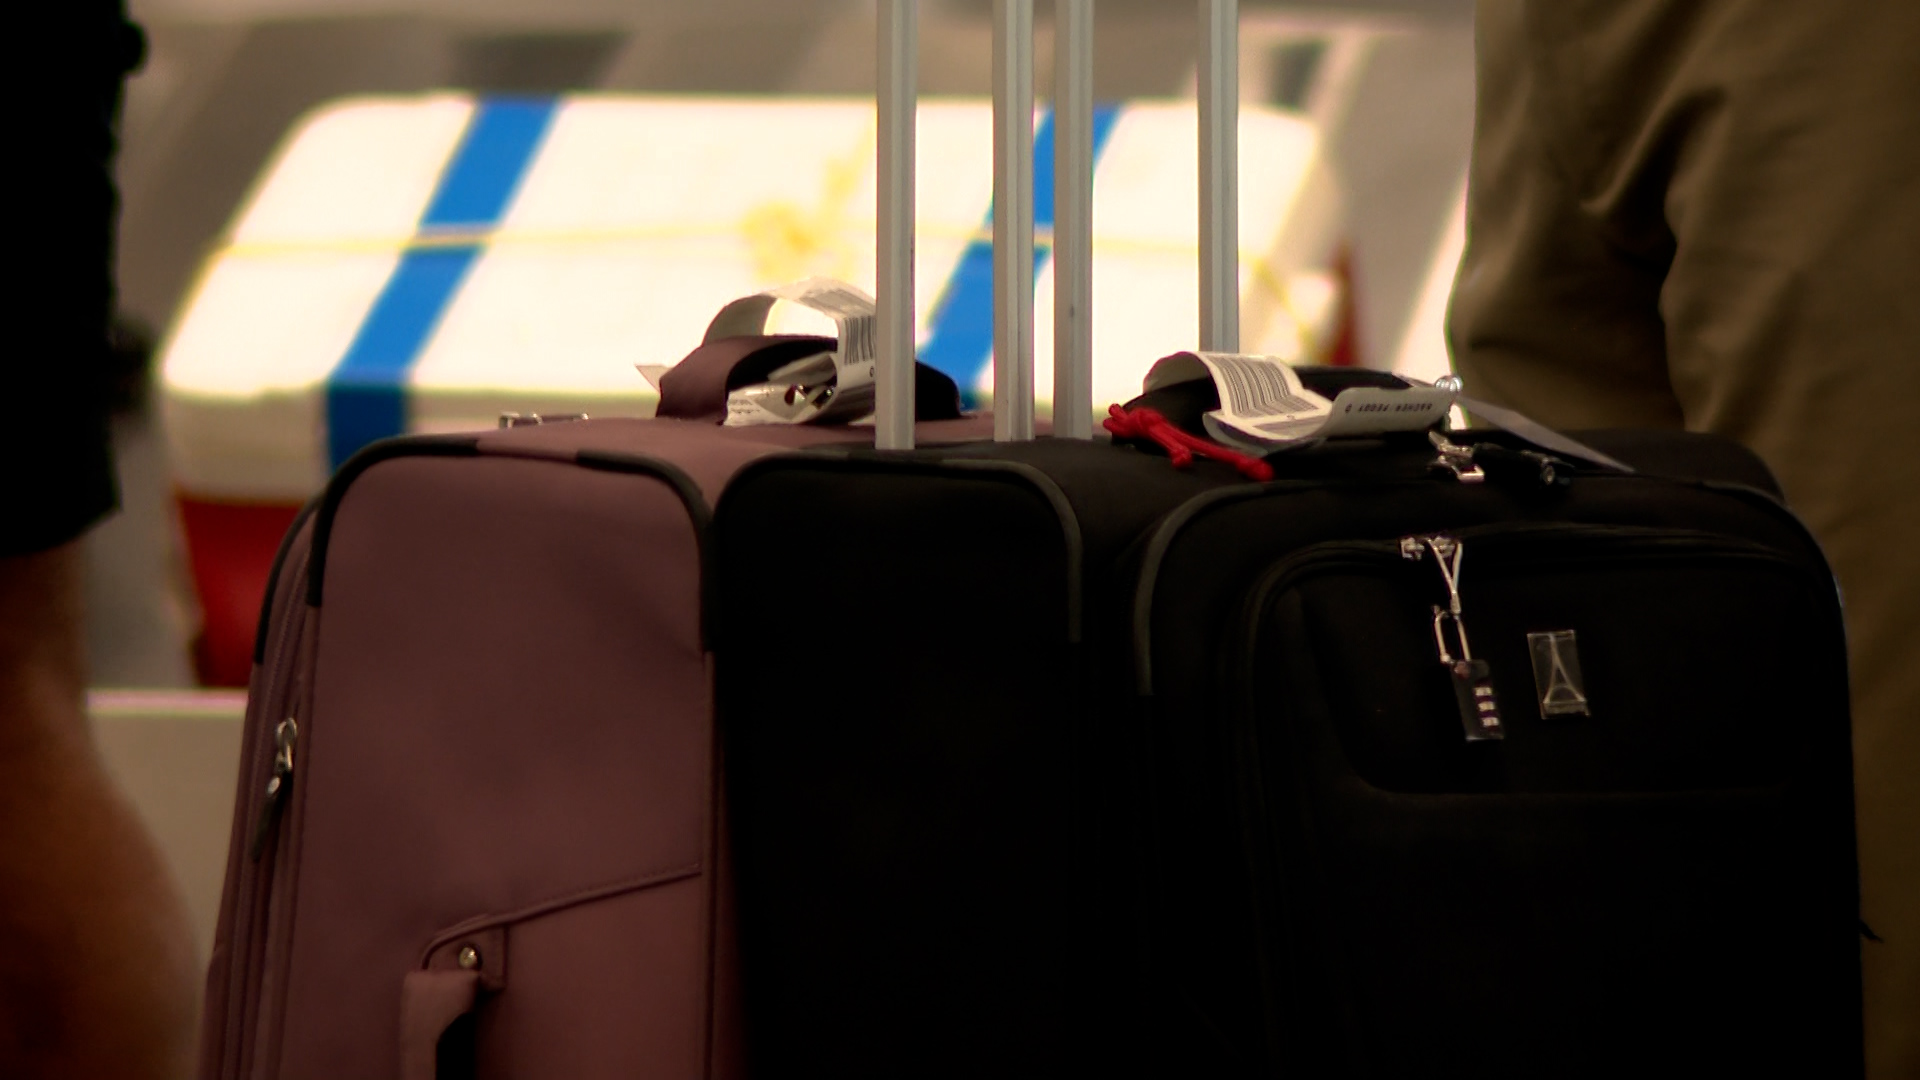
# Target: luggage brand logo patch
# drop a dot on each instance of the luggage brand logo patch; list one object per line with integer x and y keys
{"x": 1556, "y": 674}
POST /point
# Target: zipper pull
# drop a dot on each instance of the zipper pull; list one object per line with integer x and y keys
{"x": 1524, "y": 469}
{"x": 1456, "y": 459}
{"x": 1518, "y": 468}
{"x": 285, "y": 735}
{"x": 1472, "y": 679}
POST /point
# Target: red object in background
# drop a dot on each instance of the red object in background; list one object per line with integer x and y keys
{"x": 1346, "y": 346}
{"x": 230, "y": 550}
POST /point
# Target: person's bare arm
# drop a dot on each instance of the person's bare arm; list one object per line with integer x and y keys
{"x": 97, "y": 972}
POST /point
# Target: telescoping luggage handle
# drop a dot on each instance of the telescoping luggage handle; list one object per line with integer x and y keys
{"x": 1013, "y": 241}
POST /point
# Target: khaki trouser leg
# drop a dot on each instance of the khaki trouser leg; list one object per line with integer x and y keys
{"x": 1707, "y": 214}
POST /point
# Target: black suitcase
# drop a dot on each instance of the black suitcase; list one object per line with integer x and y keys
{"x": 1108, "y": 764}
{"x": 1044, "y": 758}
{"x": 1649, "y": 871}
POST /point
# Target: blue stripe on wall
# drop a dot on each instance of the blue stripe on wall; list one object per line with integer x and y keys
{"x": 961, "y": 341}
{"x": 487, "y": 168}
{"x": 367, "y": 392}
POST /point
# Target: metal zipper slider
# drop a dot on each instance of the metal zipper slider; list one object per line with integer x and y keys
{"x": 1456, "y": 459}
{"x": 1443, "y": 548}
{"x": 286, "y": 735}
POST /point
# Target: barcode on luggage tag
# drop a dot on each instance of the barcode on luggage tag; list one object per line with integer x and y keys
{"x": 856, "y": 340}
{"x": 1258, "y": 388}
{"x": 831, "y": 297}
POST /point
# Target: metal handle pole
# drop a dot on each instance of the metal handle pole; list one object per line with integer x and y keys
{"x": 1012, "y": 220}
{"x": 1073, "y": 220}
{"x": 898, "y": 108}
{"x": 1220, "y": 175}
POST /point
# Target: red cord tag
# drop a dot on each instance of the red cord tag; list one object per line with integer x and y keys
{"x": 1181, "y": 448}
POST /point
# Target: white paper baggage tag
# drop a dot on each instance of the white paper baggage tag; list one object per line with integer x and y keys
{"x": 831, "y": 387}
{"x": 1265, "y": 407}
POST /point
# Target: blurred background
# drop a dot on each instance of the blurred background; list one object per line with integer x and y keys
{"x": 1389, "y": 84}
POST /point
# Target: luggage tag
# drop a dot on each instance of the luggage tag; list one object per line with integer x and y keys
{"x": 831, "y": 387}
{"x": 835, "y": 387}
{"x": 1472, "y": 679}
{"x": 792, "y": 394}
{"x": 1265, "y": 407}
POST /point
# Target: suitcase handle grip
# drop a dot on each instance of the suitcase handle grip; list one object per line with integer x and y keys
{"x": 430, "y": 1002}
{"x": 461, "y": 970}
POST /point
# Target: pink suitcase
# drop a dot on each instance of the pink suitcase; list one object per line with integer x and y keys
{"x": 475, "y": 816}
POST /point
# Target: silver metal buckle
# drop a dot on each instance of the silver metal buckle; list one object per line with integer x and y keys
{"x": 1456, "y": 459}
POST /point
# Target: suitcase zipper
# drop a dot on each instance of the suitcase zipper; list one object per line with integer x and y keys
{"x": 279, "y": 817}
{"x": 285, "y": 735}
{"x": 261, "y": 865}
{"x": 1472, "y": 679}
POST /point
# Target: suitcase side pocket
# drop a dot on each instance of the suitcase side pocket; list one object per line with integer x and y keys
{"x": 1653, "y": 858}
